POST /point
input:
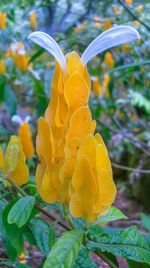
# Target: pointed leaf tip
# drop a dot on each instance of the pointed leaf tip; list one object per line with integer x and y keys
{"x": 110, "y": 38}
{"x": 48, "y": 43}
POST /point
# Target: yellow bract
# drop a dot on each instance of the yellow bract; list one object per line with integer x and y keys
{"x": 3, "y": 17}
{"x": 97, "y": 88}
{"x": 14, "y": 162}
{"x": 109, "y": 61}
{"x": 93, "y": 187}
{"x": 33, "y": 20}
{"x": 72, "y": 161}
{"x": 2, "y": 67}
{"x": 25, "y": 135}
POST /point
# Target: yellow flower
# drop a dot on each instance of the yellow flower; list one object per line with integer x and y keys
{"x": 109, "y": 61}
{"x": 14, "y": 162}
{"x": 105, "y": 85}
{"x": 127, "y": 47}
{"x": 3, "y": 17}
{"x": 117, "y": 10}
{"x": 97, "y": 22}
{"x": 97, "y": 88}
{"x": 74, "y": 166}
{"x": 80, "y": 27}
{"x": 1, "y": 158}
{"x": 33, "y": 20}
{"x": 128, "y": 2}
{"x": 108, "y": 24}
{"x": 93, "y": 189}
{"x": 25, "y": 135}
{"x": 139, "y": 8}
{"x": 2, "y": 67}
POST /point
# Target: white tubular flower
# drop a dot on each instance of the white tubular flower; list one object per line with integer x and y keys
{"x": 46, "y": 41}
{"x": 108, "y": 39}
{"x": 17, "y": 119}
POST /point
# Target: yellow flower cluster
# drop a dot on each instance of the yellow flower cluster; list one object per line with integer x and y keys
{"x": 101, "y": 89}
{"x": 2, "y": 67}
{"x": 74, "y": 166}
{"x": 33, "y": 20}
{"x": 25, "y": 136}
{"x": 17, "y": 52}
{"x": 128, "y": 2}
{"x": 12, "y": 162}
{"x": 3, "y": 17}
{"x": 80, "y": 27}
{"x": 108, "y": 24}
{"x": 109, "y": 60}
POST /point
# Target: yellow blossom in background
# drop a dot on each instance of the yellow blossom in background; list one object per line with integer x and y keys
{"x": 138, "y": 42}
{"x": 2, "y": 67}
{"x": 14, "y": 163}
{"x": 117, "y": 10}
{"x": 108, "y": 24}
{"x": 136, "y": 23}
{"x": 3, "y": 17}
{"x": 105, "y": 85}
{"x": 139, "y": 8}
{"x": 80, "y": 27}
{"x": 109, "y": 60}
{"x": 18, "y": 53}
{"x": 97, "y": 88}
{"x": 97, "y": 22}
{"x": 128, "y": 2}
{"x": 25, "y": 135}
{"x": 33, "y": 20}
{"x": 1, "y": 158}
{"x": 126, "y": 47}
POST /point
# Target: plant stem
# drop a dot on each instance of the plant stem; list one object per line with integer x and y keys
{"x": 16, "y": 186}
{"x": 52, "y": 217}
{"x": 105, "y": 259}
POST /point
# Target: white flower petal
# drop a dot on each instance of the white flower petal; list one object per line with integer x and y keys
{"x": 110, "y": 38}
{"x": 17, "y": 119}
{"x": 27, "y": 119}
{"x": 46, "y": 41}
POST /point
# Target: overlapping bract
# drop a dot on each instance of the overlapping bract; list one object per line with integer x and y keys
{"x": 12, "y": 162}
{"x": 25, "y": 136}
{"x": 74, "y": 165}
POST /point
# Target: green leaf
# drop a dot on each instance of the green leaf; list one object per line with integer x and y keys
{"x": 112, "y": 215}
{"x": 44, "y": 235}
{"x": 138, "y": 100}
{"x": 11, "y": 100}
{"x": 65, "y": 251}
{"x": 127, "y": 243}
{"x": 21, "y": 211}
{"x": 36, "y": 55}
{"x": 133, "y": 264}
{"x": 12, "y": 235}
{"x": 84, "y": 260}
{"x": 145, "y": 221}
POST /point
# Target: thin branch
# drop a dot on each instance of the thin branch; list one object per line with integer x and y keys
{"x": 105, "y": 259}
{"x": 133, "y": 15}
{"x": 144, "y": 171}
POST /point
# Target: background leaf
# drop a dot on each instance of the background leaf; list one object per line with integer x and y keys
{"x": 127, "y": 243}
{"x": 21, "y": 211}
{"x": 65, "y": 251}
{"x": 44, "y": 235}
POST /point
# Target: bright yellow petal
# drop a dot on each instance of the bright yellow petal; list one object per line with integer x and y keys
{"x": 80, "y": 124}
{"x": 76, "y": 91}
{"x": 74, "y": 63}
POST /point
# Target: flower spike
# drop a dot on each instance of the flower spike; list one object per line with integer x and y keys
{"x": 110, "y": 38}
{"x": 48, "y": 43}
